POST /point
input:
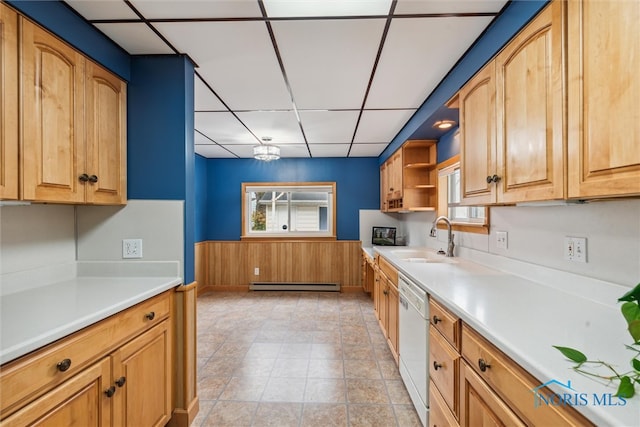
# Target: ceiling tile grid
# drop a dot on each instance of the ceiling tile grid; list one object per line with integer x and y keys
{"x": 322, "y": 78}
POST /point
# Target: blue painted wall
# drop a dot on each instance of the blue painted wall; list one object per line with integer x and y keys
{"x": 69, "y": 26}
{"x": 357, "y": 187}
{"x": 502, "y": 29}
{"x": 202, "y": 196}
{"x": 447, "y": 146}
{"x": 161, "y": 162}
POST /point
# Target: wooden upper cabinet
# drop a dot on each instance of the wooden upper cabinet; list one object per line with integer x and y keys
{"x": 603, "y": 94}
{"x": 477, "y": 137}
{"x": 8, "y": 103}
{"x": 529, "y": 112}
{"x": 384, "y": 185}
{"x": 73, "y": 120}
{"x": 52, "y": 118}
{"x": 106, "y": 119}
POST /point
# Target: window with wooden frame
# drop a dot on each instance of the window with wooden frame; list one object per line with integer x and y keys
{"x": 471, "y": 219}
{"x": 289, "y": 210}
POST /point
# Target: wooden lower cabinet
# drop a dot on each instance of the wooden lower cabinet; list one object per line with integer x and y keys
{"x": 439, "y": 413}
{"x": 119, "y": 372}
{"x": 79, "y": 402}
{"x": 480, "y": 405}
{"x": 144, "y": 398}
{"x": 386, "y": 300}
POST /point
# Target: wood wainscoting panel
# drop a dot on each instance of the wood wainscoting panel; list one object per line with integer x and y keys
{"x": 230, "y": 265}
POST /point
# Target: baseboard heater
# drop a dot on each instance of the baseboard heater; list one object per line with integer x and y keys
{"x": 294, "y": 286}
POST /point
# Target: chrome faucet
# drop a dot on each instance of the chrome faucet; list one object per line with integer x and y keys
{"x": 450, "y": 244}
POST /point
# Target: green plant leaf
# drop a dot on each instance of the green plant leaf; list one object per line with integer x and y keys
{"x": 625, "y": 389}
{"x": 572, "y": 354}
{"x": 636, "y": 364}
{"x": 634, "y": 330}
{"x": 630, "y": 311}
{"x": 632, "y": 295}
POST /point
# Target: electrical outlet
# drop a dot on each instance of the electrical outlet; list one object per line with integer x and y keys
{"x": 131, "y": 248}
{"x": 575, "y": 249}
{"x": 501, "y": 239}
{"x": 256, "y": 271}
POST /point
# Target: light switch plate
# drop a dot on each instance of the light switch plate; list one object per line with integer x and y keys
{"x": 575, "y": 249}
{"x": 501, "y": 239}
{"x": 131, "y": 248}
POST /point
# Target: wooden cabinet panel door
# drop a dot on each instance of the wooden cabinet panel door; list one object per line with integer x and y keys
{"x": 477, "y": 142}
{"x": 529, "y": 112}
{"x": 480, "y": 406}
{"x": 384, "y": 186}
{"x": 106, "y": 136}
{"x": 603, "y": 94}
{"x": 79, "y": 402}
{"x": 53, "y": 137}
{"x": 393, "y": 317}
{"x": 144, "y": 399}
{"x": 395, "y": 176}
{"x": 8, "y": 103}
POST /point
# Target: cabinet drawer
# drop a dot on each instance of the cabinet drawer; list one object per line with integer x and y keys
{"x": 513, "y": 383}
{"x": 439, "y": 414}
{"x": 32, "y": 375}
{"x": 445, "y": 322}
{"x": 444, "y": 364}
{"x": 389, "y": 270}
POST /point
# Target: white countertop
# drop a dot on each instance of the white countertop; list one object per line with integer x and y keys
{"x": 525, "y": 318}
{"x": 38, "y": 316}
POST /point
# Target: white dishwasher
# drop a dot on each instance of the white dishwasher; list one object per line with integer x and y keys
{"x": 413, "y": 343}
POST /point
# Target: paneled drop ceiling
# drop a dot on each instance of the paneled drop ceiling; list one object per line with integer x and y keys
{"x": 322, "y": 78}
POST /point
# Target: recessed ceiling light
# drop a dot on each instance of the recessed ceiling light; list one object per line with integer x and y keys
{"x": 444, "y": 124}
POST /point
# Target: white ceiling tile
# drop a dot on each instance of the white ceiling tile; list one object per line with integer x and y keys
{"x": 381, "y": 125}
{"x": 281, "y": 126}
{"x": 236, "y": 58}
{"x": 223, "y": 128}
{"x": 328, "y": 62}
{"x": 205, "y": 100}
{"x": 102, "y": 9}
{"x": 294, "y": 150}
{"x": 329, "y": 127}
{"x": 417, "y": 55}
{"x": 329, "y": 150}
{"x": 200, "y": 139}
{"x": 367, "y": 150}
{"x": 158, "y": 9}
{"x": 290, "y": 8}
{"x": 448, "y": 6}
{"x": 213, "y": 152}
{"x": 135, "y": 38}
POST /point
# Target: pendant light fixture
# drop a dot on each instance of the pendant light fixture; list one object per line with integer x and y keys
{"x": 266, "y": 152}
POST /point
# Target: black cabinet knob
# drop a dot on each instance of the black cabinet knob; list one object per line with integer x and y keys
{"x": 495, "y": 178}
{"x": 150, "y": 316}
{"x": 83, "y": 178}
{"x": 437, "y": 365}
{"x": 93, "y": 179}
{"x": 64, "y": 365}
{"x": 120, "y": 381}
{"x": 483, "y": 365}
{"x": 489, "y": 179}
{"x": 110, "y": 391}
{"x": 436, "y": 319}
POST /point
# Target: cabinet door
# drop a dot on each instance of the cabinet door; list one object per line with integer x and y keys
{"x": 384, "y": 186}
{"x": 106, "y": 136}
{"x": 603, "y": 92}
{"x": 8, "y": 103}
{"x": 392, "y": 318}
{"x": 395, "y": 176}
{"x": 144, "y": 397}
{"x": 480, "y": 406}
{"x": 384, "y": 303}
{"x": 79, "y": 402}
{"x": 52, "y": 118}
{"x": 477, "y": 137}
{"x": 529, "y": 109}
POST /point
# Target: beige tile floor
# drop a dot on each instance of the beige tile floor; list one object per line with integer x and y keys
{"x": 296, "y": 359}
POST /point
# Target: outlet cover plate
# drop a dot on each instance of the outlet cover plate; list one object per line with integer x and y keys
{"x": 501, "y": 239}
{"x": 131, "y": 248}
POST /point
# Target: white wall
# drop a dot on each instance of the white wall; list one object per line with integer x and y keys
{"x": 36, "y": 236}
{"x": 536, "y": 235}
{"x": 159, "y": 223}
